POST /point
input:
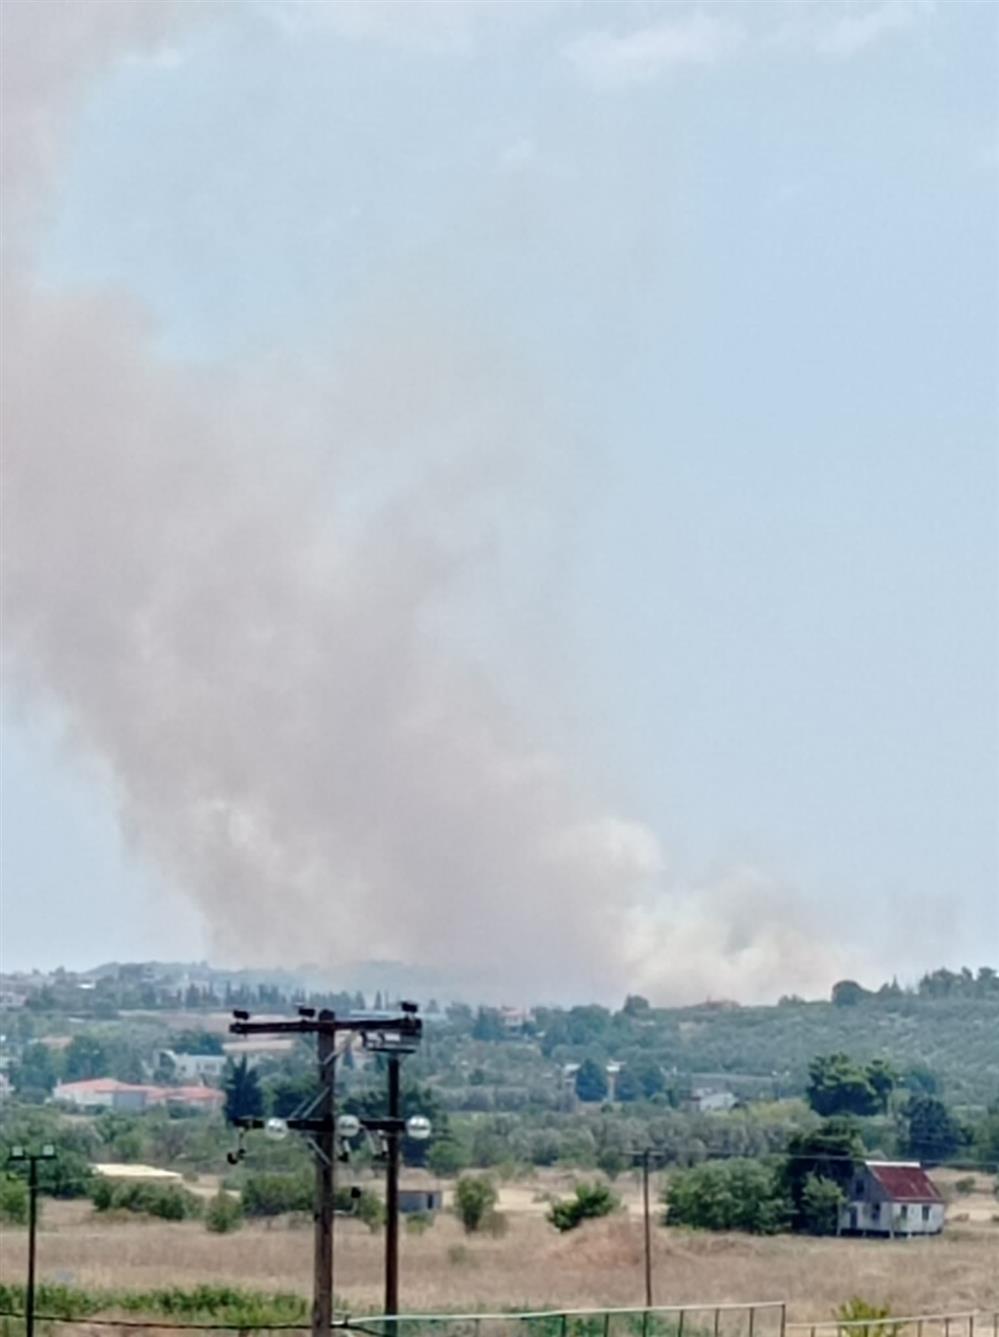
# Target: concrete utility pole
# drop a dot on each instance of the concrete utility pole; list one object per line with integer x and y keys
{"x": 393, "y": 1034}
{"x": 18, "y": 1155}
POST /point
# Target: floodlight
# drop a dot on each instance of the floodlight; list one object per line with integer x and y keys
{"x": 276, "y": 1129}
{"x": 48, "y": 1150}
{"x": 348, "y": 1125}
{"x": 418, "y": 1127}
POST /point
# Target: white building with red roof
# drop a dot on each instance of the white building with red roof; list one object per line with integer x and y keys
{"x": 102, "y": 1093}
{"x": 892, "y": 1198}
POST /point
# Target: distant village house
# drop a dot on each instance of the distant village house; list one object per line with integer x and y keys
{"x": 106, "y": 1093}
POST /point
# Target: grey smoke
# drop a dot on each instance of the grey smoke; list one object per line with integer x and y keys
{"x": 249, "y": 590}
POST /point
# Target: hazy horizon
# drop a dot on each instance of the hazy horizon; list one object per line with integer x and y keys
{"x": 511, "y": 489}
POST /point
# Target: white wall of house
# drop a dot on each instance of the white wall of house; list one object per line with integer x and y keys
{"x": 198, "y": 1067}
{"x": 893, "y": 1218}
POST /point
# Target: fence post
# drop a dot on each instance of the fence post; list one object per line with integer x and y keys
{"x": 717, "y": 1321}
{"x": 783, "y": 1319}
{"x": 752, "y": 1320}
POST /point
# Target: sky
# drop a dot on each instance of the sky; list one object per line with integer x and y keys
{"x": 718, "y": 285}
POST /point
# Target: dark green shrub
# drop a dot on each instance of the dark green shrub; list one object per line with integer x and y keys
{"x": 13, "y": 1201}
{"x": 275, "y": 1194}
{"x": 728, "y": 1195}
{"x": 474, "y": 1200}
{"x": 224, "y": 1213}
{"x": 169, "y": 1202}
{"x": 590, "y": 1201}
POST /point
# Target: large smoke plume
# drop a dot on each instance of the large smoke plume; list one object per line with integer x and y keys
{"x": 248, "y": 590}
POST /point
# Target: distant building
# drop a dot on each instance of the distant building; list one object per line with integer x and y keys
{"x": 107, "y": 1093}
{"x": 138, "y": 1174}
{"x": 713, "y": 1102}
{"x": 195, "y": 1067}
{"x": 257, "y": 1048}
{"x": 421, "y": 1199}
{"x": 515, "y": 1018}
{"x": 892, "y": 1198}
{"x": 102, "y": 1093}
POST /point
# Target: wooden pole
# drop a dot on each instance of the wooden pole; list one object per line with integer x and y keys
{"x": 648, "y": 1228}
{"x": 29, "y": 1297}
{"x": 322, "y": 1302}
{"x": 392, "y": 1193}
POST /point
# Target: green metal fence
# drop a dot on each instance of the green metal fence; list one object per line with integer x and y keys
{"x": 765, "y": 1319}
{"x": 961, "y": 1323}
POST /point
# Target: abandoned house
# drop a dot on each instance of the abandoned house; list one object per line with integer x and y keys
{"x": 892, "y": 1198}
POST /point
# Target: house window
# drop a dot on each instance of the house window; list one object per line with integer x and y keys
{"x": 926, "y": 1213}
{"x": 876, "y": 1211}
{"x": 904, "y": 1212}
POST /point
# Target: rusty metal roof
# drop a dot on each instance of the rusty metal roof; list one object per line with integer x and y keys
{"x": 904, "y": 1181}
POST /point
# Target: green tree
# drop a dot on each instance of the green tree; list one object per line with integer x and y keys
{"x": 488, "y": 1025}
{"x": 588, "y": 1202}
{"x": 651, "y": 1077}
{"x": 475, "y": 1201}
{"x": 929, "y": 1132}
{"x": 35, "y": 1074}
{"x": 832, "y": 1152}
{"x": 987, "y": 1140}
{"x": 628, "y": 1087}
{"x": 822, "y": 1201}
{"x": 86, "y": 1057}
{"x": 882, "y": 1078}
{"x": 848, "y": 993}
{"x": 447, "y": 1157}
{"x": 243, "y": 1097}
{"x": 837, "y": 1086}
{"x": 591, "y": 1081}
{"x": 729, "y": 1195}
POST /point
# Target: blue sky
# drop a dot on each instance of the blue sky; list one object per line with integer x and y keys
{"x": 746, "y": 257}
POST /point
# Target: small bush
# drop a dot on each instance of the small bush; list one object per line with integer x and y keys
{"x": 13, "y": 1201}
{"x": 458, "y": 1255}
{"x": 965, "y": 1185}
{"x": 418, "y": 1223}
{"x": 590, "y": 1201}
{"x": 856, "y": 1310}
{"x": 474, "y": 1200}
{"x": 169, "y": 1202}
{"x": 267, "y": 1194}
{"x": 224, "y": 1214}
{"x": 363, "y": 1204}
{"x": 822, "y": 1201}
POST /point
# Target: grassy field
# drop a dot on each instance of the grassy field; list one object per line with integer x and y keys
{"x": 531, "y": 1265}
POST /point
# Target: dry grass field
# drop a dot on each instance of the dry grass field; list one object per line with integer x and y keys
{"x": 532, "y": 1266}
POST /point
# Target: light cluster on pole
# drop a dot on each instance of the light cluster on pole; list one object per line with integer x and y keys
{"x": 393, "y": 1035}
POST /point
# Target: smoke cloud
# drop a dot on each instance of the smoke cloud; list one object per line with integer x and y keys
{"x": 249, "y": 590}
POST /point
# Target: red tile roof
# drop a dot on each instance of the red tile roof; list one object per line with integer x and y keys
{"x": 904, "y": 1181}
